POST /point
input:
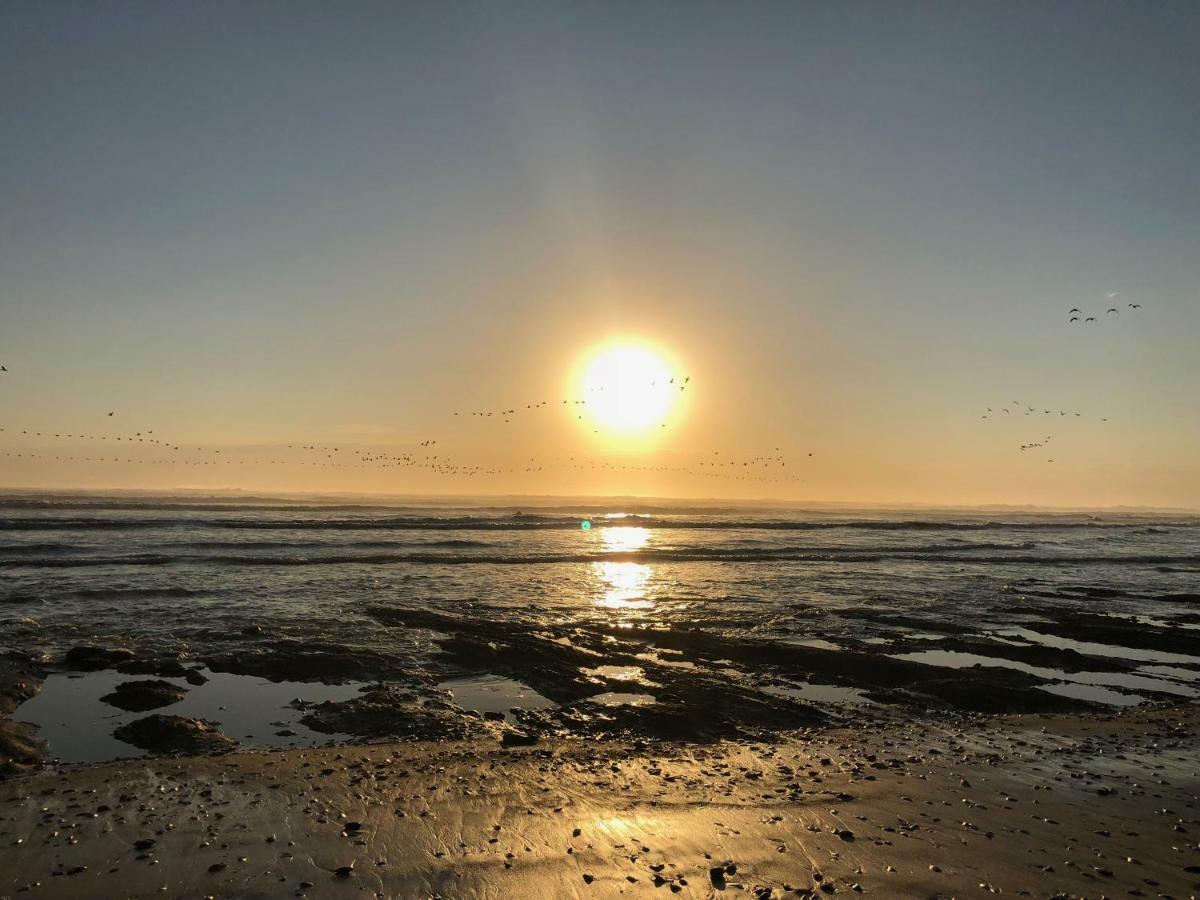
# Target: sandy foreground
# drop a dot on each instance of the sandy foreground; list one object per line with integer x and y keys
{"x": 1031, "y": 806}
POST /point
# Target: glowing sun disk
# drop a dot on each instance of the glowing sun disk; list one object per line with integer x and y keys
{"x": 628, "y": 389}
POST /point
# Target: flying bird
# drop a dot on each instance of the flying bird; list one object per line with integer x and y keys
{"x": 1069, "y": 311}
{"x": 1073, "y": 319}
{"x": 1089, "y": 319}
{"x": 1135, "y": 306}
{"x": 1110, "y": 310}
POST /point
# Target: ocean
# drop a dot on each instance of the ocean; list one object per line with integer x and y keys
{"x": 809, "y": 605}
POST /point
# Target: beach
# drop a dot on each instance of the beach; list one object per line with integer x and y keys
{"x": 1035, "y": 806}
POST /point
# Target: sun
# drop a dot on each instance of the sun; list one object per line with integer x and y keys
{"x": 628, "y": 388}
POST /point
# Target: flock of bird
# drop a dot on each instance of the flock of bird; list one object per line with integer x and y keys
{"x": 1019, "y": 408}
{"x": 508, "y": 414}
{"x": 757, "y": 467}
{"x": 761, "y": 467}
{"x": 1016, "y": 406}
{"x": 1075, "y": 314}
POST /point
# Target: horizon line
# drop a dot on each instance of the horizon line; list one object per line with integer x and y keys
{"x": 248, "y": 494}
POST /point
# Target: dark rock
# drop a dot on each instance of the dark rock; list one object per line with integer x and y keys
{"x": 1123, "y": 632}
{"x": 163, "y": 667}
{"x": 494, "y": 716}
{"x": 518, "y": 739}
{"x": 344, "y": 871}
{"x": 93, "y": 659}
{"x": 175, "y": 734}
{"x": 195, "y": 676}
{"x": 20, "y": 750}
{"x": 139, "y": 696}
{"x": 293, "y": 660}
{"x": 382, "y": 711}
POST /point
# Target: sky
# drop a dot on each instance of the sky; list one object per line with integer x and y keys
{"x": 853, "y": 226}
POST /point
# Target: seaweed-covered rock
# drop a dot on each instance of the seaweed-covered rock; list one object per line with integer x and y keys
{"x": 139, "y": 696}
{"x": 175, "y": 734}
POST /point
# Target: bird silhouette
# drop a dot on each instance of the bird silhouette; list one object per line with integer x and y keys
{"x": 1135, "y": 306}
{"x": 1073, "y": 319}
{"x": 1110, "y": 310}
{"x": 1069, "y": 311}
{"x": 1089, "y": 319}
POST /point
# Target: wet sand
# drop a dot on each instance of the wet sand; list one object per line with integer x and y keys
{"x": 1036, "y": 806}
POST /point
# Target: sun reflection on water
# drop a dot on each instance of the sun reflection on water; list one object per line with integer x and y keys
{"x": 626, "y": 538}
{"x": 624, "y": 585}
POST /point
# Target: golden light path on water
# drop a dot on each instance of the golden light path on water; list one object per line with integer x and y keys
{"x": 623, "y": 584}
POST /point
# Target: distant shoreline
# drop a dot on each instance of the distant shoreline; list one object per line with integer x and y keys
{"x": 234, "y": 496}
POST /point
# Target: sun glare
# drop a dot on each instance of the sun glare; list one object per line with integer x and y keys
{"x": 629, "y": 388}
